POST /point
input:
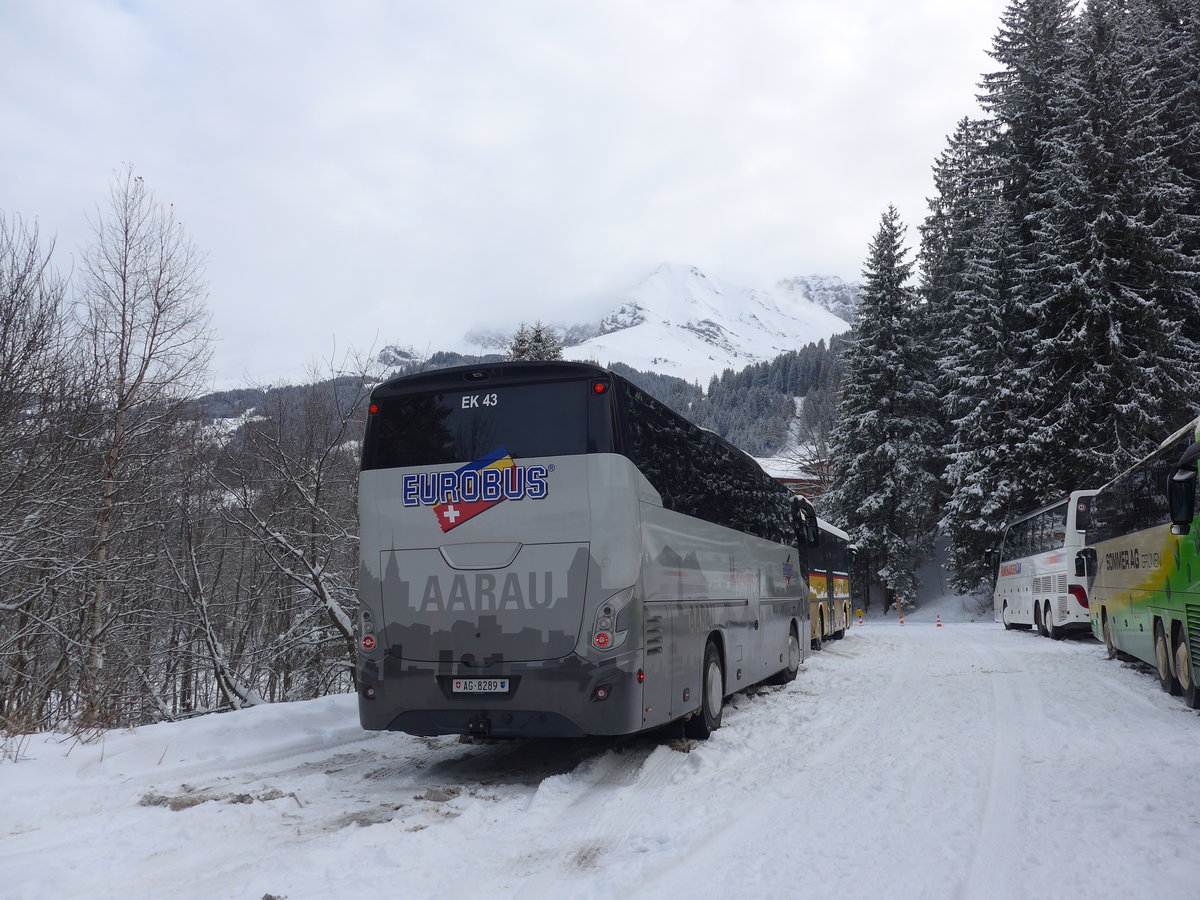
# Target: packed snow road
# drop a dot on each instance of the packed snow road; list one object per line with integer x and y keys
{"x": 903, "y": 762}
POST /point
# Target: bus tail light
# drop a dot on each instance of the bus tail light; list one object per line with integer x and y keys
{"x": 368, "y": 642}
{"x": 606, "y": 627}
{"x": 1079, "y": 592}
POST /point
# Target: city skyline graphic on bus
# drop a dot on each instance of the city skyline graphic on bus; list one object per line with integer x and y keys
{"x": 459, "y": 496}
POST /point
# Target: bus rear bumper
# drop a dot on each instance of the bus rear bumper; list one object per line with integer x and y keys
{"x": 568, "y": 697}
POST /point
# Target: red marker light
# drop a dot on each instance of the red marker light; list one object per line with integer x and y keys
{"x": 373, "y": 408}
{"x": 368, "y": 642}
{"x": 1079, "y": 592}
{"x": 599, "y": 387}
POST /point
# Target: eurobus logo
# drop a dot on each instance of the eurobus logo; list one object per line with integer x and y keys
{"x": 461, "y": 495}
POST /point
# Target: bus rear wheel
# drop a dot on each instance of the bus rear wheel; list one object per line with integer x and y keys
{"x": 712, "y": 701}
{"x": 1187, "y": 677}
{"x": 1052, "y": 631}
{"x": 1162, "y": 660}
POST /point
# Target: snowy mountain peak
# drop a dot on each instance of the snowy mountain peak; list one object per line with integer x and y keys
{"x": 681, "y": 321}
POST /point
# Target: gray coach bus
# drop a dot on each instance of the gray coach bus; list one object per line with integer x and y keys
{"x": 546, "y": 550}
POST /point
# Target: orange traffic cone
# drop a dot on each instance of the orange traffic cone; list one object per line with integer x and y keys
{"x": 901, "y": 618}
{"x": 860, "y": 618}
{"x": 939, "y": 625}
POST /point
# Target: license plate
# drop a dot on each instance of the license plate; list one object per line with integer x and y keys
{"x": 479, "y": 685}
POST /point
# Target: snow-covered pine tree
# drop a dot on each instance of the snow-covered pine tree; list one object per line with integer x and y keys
{"x": 986, "y": 368}
{"x": 965, "y": 185}
{"x": 543, "y": 345}
{"x": 1020, "y": 100}
{"x": 1031, "y": 48}
{"x": 1177, "y": 62}
{"x": 886, "y": 438}
{"x": 1117, "y": 365}
{"x": 519, "y": 346}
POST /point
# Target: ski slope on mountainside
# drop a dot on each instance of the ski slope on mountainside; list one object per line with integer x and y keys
{"x": 904, "y": 762}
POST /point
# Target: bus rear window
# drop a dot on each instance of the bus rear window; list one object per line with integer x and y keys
{"x": 465, "y": 424}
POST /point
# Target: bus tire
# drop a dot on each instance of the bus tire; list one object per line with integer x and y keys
{"x": 1052, "y": 631}
{"x": 712, "y": 696}
{"x": 1162, "y": 660}
{"x": 1008, "y": 626}
{"x": 1186, "y": 675}
{"x": 788, "y": 673}
{"x": 1039, "y": 620}
{"x": 1106, "y": 630}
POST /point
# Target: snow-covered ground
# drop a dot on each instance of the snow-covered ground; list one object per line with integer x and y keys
{"x": 904, "y": 762}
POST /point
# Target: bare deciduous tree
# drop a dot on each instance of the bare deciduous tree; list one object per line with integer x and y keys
{"x": 34, "y": 496}
{"x": 294, "y": 477}
{"x": 144, "y": 328}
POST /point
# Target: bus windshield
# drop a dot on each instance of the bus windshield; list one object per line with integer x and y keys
{"x": 454, "y": 426}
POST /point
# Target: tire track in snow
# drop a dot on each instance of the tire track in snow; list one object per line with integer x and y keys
{"x": 1016, "y": 703}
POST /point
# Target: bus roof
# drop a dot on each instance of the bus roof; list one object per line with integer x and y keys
{"x": 481, "y": 373}
{"x": 833, "y": 529}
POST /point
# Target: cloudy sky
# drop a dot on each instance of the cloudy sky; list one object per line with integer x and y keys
{"x": 362, "y": 173}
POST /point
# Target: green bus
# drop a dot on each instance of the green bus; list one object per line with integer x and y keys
{"x": 1142, "y": 562}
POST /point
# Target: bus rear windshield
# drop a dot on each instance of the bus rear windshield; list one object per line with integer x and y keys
{"x": 465, "y": 424}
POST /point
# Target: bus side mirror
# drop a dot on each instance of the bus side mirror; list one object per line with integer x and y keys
{"x": 804, "y": 519}
{"x": 1181, "y": 491}
{"x": 1085, "y": 563}
{"x": 991, "y": 556}
{"x": 1181, "y": 496}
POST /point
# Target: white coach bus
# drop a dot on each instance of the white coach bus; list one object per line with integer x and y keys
{"x": 1036, "y": 584}
{"x": 546, "y": 550}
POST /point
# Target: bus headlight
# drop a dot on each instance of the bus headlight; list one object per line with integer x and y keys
{"x": 607, "y": 631}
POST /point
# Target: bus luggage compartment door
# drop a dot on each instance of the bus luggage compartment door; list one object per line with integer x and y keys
{"x": 530, "y": 609}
